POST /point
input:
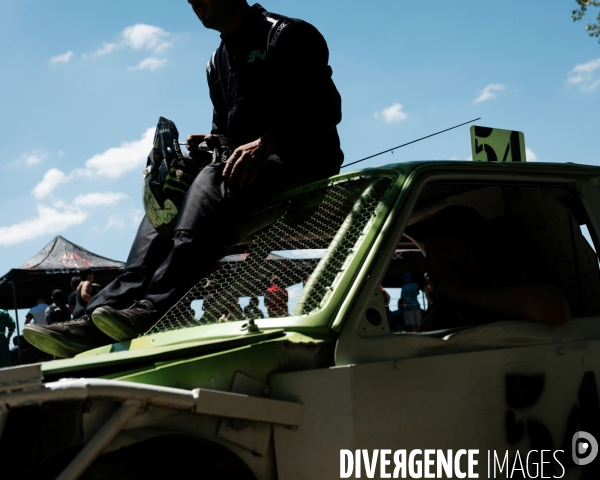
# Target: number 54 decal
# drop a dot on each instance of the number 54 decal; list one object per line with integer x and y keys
{"x": 497, "y": 145}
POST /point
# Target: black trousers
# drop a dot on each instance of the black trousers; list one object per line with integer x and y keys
{"x": 163, "y": 270}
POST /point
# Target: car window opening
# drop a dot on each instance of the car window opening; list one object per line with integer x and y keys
{"x": 533, "y": 246}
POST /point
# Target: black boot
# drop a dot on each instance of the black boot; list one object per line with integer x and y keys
{"x": 126, "y": 324}
{"x": 66, "y": 339}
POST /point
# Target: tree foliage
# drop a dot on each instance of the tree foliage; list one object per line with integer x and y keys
{"x": 593, "y": 29}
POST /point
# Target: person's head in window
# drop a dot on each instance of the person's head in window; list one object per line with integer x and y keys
{"x": 455, "y": 244}
{"x": 458, "y": 259}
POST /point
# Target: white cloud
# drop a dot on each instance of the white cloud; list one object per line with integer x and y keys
{"x": 62, "y": 214}
{"x": 113, "y": 163}
{"x": 117, "y": 161}
{"x": 115, "y": 221}
{"x": 27, "y": 160}
{"x": 64, "y": 58}
{"x": 392, "y": 114}
{"x": 140, "y": 37}
{"x": 52, "y": 179}
{"x": 33, "y": 158}
{"x": 530, "y": 156}
{"x": 57, "y": 218}
{"x": 130, "y": 219}
{"x": 48, "y": 221}
{"x": 489, "y": 92}
{"x": 584, "y": 75}
{"x": 105, "y": 49}
{"x": 150, "y": 63}
{"x": 148, "y": 37}
{"x": 137, "y": 37}
{"x": 91, "y": 200}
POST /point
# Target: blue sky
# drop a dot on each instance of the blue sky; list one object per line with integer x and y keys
{"x": 83, "y": 85}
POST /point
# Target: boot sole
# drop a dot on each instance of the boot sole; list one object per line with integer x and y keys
{"x": 54, "y": 343}
{"x": 111, "y": 326}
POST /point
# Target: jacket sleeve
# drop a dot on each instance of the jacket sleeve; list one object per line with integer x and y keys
{"x": 305, "y": 98}
{"x": 219, "y": 119}
{"x": 219, "y": 122}
{"x": 218, "y": 126}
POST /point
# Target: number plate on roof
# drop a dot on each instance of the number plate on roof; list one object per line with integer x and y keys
{"x": 497, "y": 145}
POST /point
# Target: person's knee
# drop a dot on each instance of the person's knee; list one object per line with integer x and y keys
{"x": 205, "y": 203}
{"x": 183, "y": 239}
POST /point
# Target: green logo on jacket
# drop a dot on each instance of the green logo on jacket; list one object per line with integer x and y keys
{"x": 260, "y": 54}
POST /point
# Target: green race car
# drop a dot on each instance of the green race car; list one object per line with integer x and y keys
{"x": 230, "y": 384}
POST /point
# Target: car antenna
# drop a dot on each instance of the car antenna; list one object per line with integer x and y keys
{"x": 405, "y": 144}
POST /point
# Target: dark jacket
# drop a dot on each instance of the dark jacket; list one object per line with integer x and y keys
{"x": 273, "y": 76}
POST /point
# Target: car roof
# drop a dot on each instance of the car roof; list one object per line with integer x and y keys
{"x": 405, "y": 167}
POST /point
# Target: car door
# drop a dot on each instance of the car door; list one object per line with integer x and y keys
{"x": 510, "y": 387}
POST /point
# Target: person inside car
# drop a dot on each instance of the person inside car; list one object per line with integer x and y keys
{"x": 470, "y": 287}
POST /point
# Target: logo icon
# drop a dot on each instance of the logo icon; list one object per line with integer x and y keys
{"x": 257, "y": 54}
{"x": 584, "y": 447}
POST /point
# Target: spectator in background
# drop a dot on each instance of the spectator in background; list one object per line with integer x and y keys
{"x": 22, "y": 352}
{"x": 6, "y": 324}
{"x": 14, "y": 352}
{"x": 251, "y": 311}
{"x": 210, "y": 305}
{"x": 429, "y": 290}
{"x": 37, "y": 313}
{"x": 396, "y": 318}
{"x": 412, "y": 309}
{"x": 72, "y": 301}
{"x": 58, "y": 311}
{"x": 232, "y": 313}
{"x": 386, "y": 301}
{"x": 276, "y": 299}
{"x": 84, "y": 293}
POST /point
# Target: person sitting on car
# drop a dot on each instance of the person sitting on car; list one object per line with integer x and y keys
{"x": 276, "y": 106}
{"x": 470, "y": 287}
